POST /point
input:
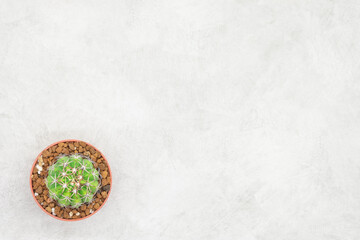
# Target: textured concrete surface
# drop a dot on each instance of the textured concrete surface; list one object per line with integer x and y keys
{"x": 220, "y": 119}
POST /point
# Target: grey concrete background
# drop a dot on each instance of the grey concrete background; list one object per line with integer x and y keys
{"x": 220, "y": 119}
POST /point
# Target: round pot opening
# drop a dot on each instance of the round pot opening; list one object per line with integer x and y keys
{"x": 45, "y": 198}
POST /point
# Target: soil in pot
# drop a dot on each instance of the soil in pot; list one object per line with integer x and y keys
{"x": 40, "y": 172}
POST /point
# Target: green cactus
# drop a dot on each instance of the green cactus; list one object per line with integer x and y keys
{"x": 72, "y": 181}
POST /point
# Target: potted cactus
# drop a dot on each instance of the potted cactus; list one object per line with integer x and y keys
{"x": 70, "y": 180}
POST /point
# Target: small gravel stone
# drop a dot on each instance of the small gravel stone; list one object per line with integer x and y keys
{"x": 92, "y": 150}
{"x": 102, "y": 166}
{"x": 39, "y": 168}
{"x": 39, "y": 190}
{"x": 104, "y": 174}
{"x": 104, "y": 194}
{"x": 104, "y": 181}
{"x": 106, "y": 188}
{"x": 59, "y": 149}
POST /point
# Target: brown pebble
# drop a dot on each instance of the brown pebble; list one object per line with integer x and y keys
{"x": 61, "y": 144}
{"x": 87, "y": 211}
{"x": 83, "y": 207}
{"x": 59, "y": 149}
{"x": 57, "y": 210}
{"x": 104, "y": 174}
{"x": 65, "y": 151}
{"x": 87, "y": 147}
{"x": 96, "y": 164}
{"x": 39, "y": 180}
{"x": 76, "y": 144}
{"x": 102, "y": 166}
{"x": 45, "y": 154}
{"x": 71, "y": 146}
{"x": 83, "y": 144}
{"x": 106, "y": 188}
{"x": 48, "y": 209}
{"x": 104, "y": 181}
{"x": 81, "y": 149}
{"x": 53, "y": 148}
{"x": 39, "y": 190}
{"x": 92, "y": 150}
{"x": 96, "y": 206}
{"x": 82, "y": 214}
{"x": 51, "y": 205}
{"x": 104, "y": 194}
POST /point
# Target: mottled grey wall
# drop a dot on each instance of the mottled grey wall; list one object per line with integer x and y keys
{"x": 229, "y": 120}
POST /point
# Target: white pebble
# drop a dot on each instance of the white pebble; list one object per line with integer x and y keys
{"x": 77, "y": 214}
{"x": 71, "y": 214}
{"x": 91, "y": 211}
{"x": 36, "y": 194}
{"x": 39, "y": 167}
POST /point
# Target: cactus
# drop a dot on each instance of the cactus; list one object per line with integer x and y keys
{"x": 72, "y": 181}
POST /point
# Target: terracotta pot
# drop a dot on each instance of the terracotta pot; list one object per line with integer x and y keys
{"x": 31, "y": 187}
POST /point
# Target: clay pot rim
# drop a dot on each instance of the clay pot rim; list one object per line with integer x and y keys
{"x": 31, "y": 188}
